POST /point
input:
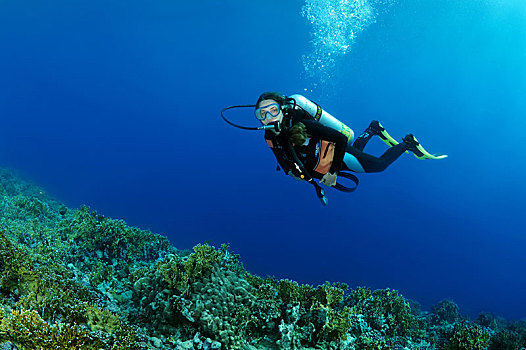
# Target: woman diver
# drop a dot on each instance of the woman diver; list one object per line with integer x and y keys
{"x": 309, "y": 143}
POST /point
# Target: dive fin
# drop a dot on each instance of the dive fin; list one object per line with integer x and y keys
{"x": 388, "y": 139}
{"x": 419, "y": 151}
{"x": 427, "y": 155}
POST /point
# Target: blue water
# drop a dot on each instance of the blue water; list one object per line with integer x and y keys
{"x": 116, "y": 105}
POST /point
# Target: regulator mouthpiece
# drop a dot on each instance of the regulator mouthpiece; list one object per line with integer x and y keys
{"x": 274, "y": 126}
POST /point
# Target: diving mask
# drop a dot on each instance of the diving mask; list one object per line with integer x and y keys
{"x": 268, "y": 112}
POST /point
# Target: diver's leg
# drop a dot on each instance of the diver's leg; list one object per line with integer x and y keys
{"x": 375, "y": 128}
{"x": 358, "y": 161}
{"x": 350, "y": 162}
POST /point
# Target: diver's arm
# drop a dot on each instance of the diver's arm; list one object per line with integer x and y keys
{"x": 319, "y": 131}
{"x": 281, "y": 161}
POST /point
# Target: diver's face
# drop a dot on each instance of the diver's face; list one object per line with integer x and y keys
{"x": 268, "y": 111}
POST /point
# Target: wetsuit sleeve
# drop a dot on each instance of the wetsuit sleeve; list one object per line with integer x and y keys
{"x": 317, "y": 130}
{"x": 281, "y": 161}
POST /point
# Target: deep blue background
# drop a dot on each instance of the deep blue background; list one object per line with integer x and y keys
{"x": 115, "y": 104}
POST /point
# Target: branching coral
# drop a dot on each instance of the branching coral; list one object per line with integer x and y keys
{"x": 179, "y": 271}
{"x": 28, "y": 330}
{"x": 108, "y": 239}
{"x": 469, "y": 336}
{"x": 385, "y": 310}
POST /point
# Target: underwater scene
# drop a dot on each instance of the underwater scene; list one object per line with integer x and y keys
{"x": 300, "y": 174}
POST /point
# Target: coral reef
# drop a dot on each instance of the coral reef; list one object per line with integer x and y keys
{"x": 74, "y": 279}
{"x": 468, "y": 336}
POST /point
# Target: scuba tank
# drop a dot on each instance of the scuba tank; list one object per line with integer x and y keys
{"x": 323, "y": 116}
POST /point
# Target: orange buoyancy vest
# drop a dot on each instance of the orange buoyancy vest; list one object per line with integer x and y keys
{"x": 325, "y": 151}
{"x": 325, "y": 154}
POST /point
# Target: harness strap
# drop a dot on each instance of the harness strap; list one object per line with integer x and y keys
{"x": 349, "y": 176}
{"x": 320, "y": 193}
{"x": 319, "y": 111}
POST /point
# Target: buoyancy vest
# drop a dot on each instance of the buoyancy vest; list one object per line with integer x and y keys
{"x": 324, "y": 154}
{"x": 324, "y": 151}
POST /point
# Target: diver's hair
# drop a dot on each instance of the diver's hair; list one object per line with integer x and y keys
{"x": 271, "y": 95}
{"x": 297, "y": 133}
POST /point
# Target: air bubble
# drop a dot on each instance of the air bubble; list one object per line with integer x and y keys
{"x": 335, "y": 26}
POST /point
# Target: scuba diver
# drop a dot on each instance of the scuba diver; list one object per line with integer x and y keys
{"x": 309, "y": 143}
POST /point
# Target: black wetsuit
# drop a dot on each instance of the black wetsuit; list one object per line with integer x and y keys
{"x": 316, "y": 132}
{"x": 370, "y": 163}
{"x": 307, "y": 153}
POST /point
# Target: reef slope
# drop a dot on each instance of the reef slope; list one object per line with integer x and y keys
{"x": 75, "y": 279}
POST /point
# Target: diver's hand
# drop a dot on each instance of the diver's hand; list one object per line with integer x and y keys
{"x": 294, "y": 176}
{"x": 329, "y": 179}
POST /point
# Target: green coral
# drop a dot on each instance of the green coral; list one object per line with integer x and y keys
{"x": 338, "y": 324}
{"x": 30, "y": 206}
{"x": 179, "y": 271}
{"x": 469, "y": 336}
{"x": 330, "y": 294}
{"x": 49, "y": 288}
{"x": 109, "y": 239}
{"x": 446, "y": 311}
{"x": 506, "y": 340}
{"x": 330, "y": 321}
{"x": 52, "y": 290}
{"x": 15, "y": 265}
{"x": 385, "y": 310}
{"x": 28, "y": 330}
